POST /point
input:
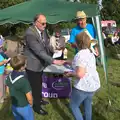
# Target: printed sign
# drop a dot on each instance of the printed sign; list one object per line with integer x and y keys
{"x": 56, "y": 86}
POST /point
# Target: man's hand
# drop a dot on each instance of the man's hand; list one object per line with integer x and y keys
{"x": 59, "y": 62}
{"x": 68, "y": 62}
{"x": 69, "y": 74}
{"x": 29, "y": 98}
{"x": 96, "y": 51}
{"x": 5, "y": 61}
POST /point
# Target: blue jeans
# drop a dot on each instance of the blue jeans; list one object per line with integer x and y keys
{"x": 23, "y": 113}
{"x": 79, "y": 97}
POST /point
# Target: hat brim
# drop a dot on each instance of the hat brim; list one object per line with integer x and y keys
{"x": 80, "y": 17}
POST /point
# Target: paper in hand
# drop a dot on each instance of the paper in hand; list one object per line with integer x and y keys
{"x": 57, "y": 54}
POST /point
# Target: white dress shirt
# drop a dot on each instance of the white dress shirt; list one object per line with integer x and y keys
{"x": 38, "y": 31}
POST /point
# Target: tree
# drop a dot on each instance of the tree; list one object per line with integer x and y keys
{"x": 7, "y": 3}
{"x": 111, "y": 10}
{"x": 84, "y": 1}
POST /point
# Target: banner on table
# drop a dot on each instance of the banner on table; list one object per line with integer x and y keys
{"x": 56, "y": 86}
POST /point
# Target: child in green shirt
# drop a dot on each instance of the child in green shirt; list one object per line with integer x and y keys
{"x": 20, "y": 90}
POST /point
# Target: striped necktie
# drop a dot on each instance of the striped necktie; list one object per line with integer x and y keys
{"x": 42, "y": 38}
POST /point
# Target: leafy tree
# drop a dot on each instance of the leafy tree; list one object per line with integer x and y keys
{"x": 7, "y": 3}
{"x": 8, "y": 29}
{"x": 84, "y": 1}
{"x": 111, "y": 10}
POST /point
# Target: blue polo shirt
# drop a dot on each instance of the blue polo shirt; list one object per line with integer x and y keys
{"x": 75, "y": 31}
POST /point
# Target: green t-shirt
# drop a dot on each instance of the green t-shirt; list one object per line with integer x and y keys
{"x": 18, "y": 89}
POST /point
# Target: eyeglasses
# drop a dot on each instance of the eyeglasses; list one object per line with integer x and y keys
{"x": 42, "y": 23}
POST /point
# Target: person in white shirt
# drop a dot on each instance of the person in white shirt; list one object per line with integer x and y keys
{"x": 87, "y": 79}
{"x": 57, "y": 44}
{"x": 115, "y": 38}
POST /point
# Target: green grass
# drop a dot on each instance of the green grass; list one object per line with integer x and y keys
{"x": 58, "y": 108}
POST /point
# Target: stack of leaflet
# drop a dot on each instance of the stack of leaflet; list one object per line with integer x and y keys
{"x": 59, "y": 69}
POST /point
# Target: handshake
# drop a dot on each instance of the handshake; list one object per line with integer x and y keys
{"x": 61, "y": 62}
{"x": 67, "y": 63}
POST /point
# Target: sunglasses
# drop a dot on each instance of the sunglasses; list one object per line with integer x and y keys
{"x": 42, "y": 23}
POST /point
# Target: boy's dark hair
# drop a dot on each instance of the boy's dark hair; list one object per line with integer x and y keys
{"x": 17, "y": 62}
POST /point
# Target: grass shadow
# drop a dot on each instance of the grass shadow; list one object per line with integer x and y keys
{"x": 57, "y": 107}
{"x": 5, "y": 112}
{"x": 98, "y": 116}
{"x": 98, "y": 111}
{"x": 64, "y": 101}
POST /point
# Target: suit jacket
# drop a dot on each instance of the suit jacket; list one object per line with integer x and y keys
{"x": 36, "y": 51}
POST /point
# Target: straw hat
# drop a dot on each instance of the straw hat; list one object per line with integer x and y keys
{"x": 80, "y": 14}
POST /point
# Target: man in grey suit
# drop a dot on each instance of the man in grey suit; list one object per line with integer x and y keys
{"x": 38, "y": 57}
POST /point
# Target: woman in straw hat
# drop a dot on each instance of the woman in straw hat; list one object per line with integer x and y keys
{"x": 87, "y": 78}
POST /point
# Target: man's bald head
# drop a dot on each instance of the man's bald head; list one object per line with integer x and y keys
{"x": 40, "y": 22}
{"x": 38, "y": 16}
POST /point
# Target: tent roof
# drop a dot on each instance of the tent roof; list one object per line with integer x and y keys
{"x": 55, "y": 11}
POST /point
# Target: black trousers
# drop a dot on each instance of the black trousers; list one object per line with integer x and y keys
{"x": 35, "y": 80}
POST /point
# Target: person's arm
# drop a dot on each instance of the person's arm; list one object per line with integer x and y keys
{"x": 96, "y": 51}
{"x": 80, "y": 72}
{"x": 29, "y": 98}
{"x": 68, "y": 62}
{"x": 3, "y": 62}
{"x": 6, "y": 86}
{"x": 7, "y": 90}
{"x": 80, "y": 65}
{"x": 26, "y": 89}
{"x": 117, "y": 38}
{"x": 69, "y": 74}
{"x": 58, "y": 62}
{"x": 72, "y": 39}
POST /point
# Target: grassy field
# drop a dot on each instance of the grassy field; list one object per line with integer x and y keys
{"x": 58, "y": 108}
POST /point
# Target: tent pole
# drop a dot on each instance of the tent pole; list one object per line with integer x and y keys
{"x": 101, "y": 45}
{"x": 93, "y": 21}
